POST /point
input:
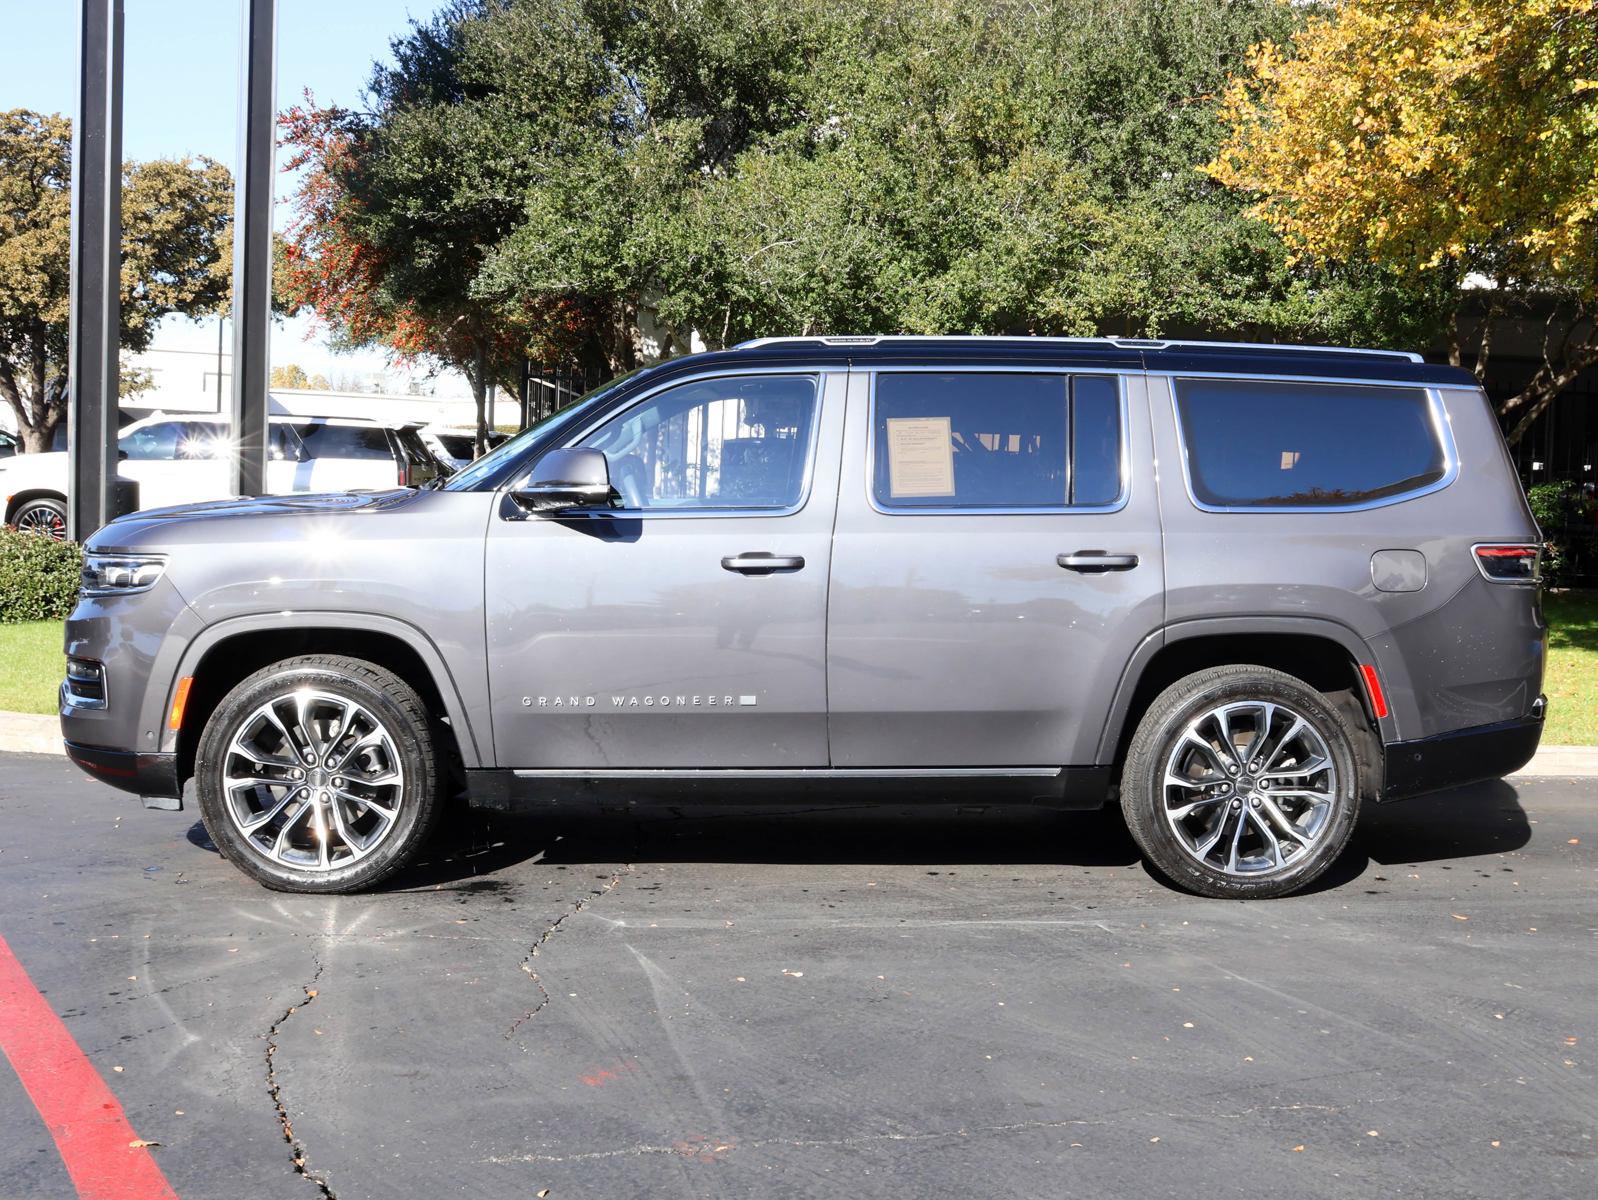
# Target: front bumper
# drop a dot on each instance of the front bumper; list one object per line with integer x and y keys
{"x": 1462, "y": 756}
{"x": 142, "y": 774}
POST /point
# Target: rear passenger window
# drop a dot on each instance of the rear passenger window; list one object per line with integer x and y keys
{"x": 974, "y": 439}
{"x": 1269, "y": 444}
{"x": 345, "y": 441}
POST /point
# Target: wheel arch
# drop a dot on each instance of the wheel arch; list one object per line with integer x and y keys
{"x": 1324, "y": 654}
{"x": 226, "y": 653}
{"x": 29, "y": 494}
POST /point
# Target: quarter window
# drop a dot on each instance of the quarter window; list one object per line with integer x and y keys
{"x": 996, "y": 440}
{"x": 733, "y": 442}
{"x": 1270, "y": 444}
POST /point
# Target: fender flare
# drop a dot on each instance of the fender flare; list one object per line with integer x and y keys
{"x": 1395, "y": 678}
{"x": 213, "y": 635}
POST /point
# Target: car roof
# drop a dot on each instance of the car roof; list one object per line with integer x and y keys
{"x": 1148, "y": 354}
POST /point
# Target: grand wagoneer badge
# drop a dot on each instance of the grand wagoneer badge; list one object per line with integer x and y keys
{"x": 637, "y": 700}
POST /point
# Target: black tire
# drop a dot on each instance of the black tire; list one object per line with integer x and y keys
{"x": 43, "y": 515}
{"x": 386, "y": 700}
{"x": 1225, "y": 871}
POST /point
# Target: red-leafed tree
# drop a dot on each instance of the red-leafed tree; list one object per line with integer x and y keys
{"x": 395, "y": 213}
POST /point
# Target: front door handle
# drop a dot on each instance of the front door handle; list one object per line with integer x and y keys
{"x": 761, "y": 563}
{"x": 1096, "y": 562}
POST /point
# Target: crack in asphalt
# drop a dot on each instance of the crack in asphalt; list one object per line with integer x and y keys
{"x": 275, "y": 1089}
{"x": 549, "y": 932}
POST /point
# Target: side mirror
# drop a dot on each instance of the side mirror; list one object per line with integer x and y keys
{"x": 565, "y": 480}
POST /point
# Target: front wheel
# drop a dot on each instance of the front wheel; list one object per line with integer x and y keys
{"x": 1241, "y": 781}
{"x": 319, "y": 774}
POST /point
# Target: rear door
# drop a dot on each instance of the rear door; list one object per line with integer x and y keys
{"x": 997, "y": 561}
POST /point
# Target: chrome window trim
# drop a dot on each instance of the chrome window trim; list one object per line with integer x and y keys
{"x": 820, "y": 376}
{"x": 1442, "y": 430}
{"x": 1120, "y": 375}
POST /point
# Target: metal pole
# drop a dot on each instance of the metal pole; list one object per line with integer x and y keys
{"x": 96, "y": 268}
{"x": 252, "y": 243}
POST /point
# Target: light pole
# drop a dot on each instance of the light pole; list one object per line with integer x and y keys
{"x": 94, "y": 341}
{"x": 252, "y": 244}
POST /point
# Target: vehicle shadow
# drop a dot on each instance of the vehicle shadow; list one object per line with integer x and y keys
{"x": 1484, "y": 818}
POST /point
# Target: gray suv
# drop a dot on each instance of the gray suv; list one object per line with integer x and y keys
{"x": 1242, "y": 589}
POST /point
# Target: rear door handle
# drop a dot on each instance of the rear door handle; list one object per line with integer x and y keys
{"x": 1096, "y": 562}
{"x": 761, "y": 563}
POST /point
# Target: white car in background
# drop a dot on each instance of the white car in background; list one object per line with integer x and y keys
{"x": 184, "y": 460}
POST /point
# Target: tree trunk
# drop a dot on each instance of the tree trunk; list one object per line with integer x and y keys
{"x": 480, "y": 395}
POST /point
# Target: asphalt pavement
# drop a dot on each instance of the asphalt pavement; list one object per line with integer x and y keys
{"x": 824, "y": 1003}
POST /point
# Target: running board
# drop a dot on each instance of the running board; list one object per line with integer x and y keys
{"x": 586, "y": 787}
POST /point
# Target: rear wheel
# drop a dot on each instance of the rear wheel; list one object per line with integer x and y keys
{"x": 44, "y": 515}
{"x": 319, "y": 774}
{"x": 1241, "y": 781}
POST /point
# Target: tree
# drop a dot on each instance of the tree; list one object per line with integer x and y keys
{"x": 292, "y": 376}
{"x": 1452, "y": 141}
{"x": 612, "y": 181}
{"x": 176, "y": 258}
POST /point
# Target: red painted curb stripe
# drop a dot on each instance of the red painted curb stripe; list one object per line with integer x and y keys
{"x": 88, "y": 1125}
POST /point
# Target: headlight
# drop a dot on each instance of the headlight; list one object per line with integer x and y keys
{"x": 121, "y": 574}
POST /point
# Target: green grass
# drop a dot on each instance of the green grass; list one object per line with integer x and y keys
{"x": 1571, "y": 680}
{"x": 31, "y": 666}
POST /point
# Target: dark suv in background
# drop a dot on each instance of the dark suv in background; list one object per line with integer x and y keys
{"x": 1244, "y": 589}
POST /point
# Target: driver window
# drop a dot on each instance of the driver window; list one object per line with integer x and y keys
{"x": 734, "y": 442}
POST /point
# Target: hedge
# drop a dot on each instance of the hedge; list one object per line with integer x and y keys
{"x": 39, "y": 577}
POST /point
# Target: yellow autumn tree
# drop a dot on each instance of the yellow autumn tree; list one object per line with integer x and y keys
{"x": 1457, "y": 137}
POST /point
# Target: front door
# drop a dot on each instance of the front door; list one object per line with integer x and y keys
{"x": 687, "y": 628}
{"x": 998, "y": 560}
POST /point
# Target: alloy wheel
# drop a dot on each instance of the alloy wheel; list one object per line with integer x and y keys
{"x": 1249, "y": 788}
{"x": 313, "y": 780}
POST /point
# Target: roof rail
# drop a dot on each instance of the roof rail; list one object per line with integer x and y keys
{"x": 1119, "y": 343}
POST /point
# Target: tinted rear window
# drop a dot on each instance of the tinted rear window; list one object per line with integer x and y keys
{"x": 976, "y": 439}
{"x": 345, "y": 441}
{"x": 1305, "y": 445}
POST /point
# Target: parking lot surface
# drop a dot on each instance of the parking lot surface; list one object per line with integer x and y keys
{"x": 853, "y": 1003}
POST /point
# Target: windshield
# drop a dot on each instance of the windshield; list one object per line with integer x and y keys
{"x": 468, "y": 477}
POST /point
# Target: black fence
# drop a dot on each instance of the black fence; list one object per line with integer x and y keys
{"x": 549, "y": 387}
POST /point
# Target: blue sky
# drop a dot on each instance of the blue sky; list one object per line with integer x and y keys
{"x": 182, "y": 60}
{"x": 181, "y": 68}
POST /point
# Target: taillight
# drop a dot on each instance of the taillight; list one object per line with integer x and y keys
{"x": 1508, "y": 562}
{"x": 402, "y": 472}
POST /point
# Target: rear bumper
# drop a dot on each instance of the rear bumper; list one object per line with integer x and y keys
{"x": 142, "y": 774}
{"x": 1460, "y": 757}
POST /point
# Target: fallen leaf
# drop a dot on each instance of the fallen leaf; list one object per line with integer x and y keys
{"x": 1573, "y": 842}
{"x": 1298, "y": 1149}
{"x": 1372, "y": 1133}
{"x": 118, "y": 1070}
{"x": 1493, "y": 1144}
{"x": 141, "y": 1143}
{"x": 1570, "y": 1041}
{"x": 310, "y": 993}
{"x": 542, "y": 1193}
